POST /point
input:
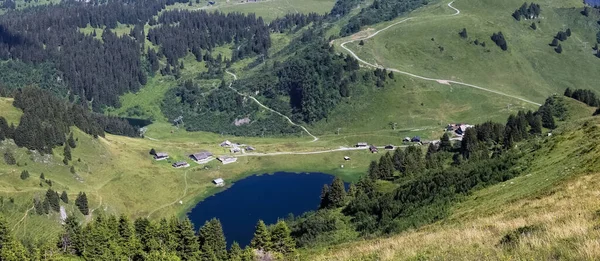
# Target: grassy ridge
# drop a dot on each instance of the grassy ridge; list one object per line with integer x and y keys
{"x": 556, "y": 199}
{"x": 529, "y": 69}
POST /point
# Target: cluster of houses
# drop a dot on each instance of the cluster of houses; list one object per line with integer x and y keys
{"x": 374, "y": 149}
{"x": 204, "y": 157}
{"x": 458, "y": 129}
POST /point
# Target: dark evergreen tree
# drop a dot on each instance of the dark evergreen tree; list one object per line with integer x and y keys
{"x": 152, "y": 152}
{"x": 463, "y": 33}
{"x": 374, "y": 170}
{"x": 64, "y": 197}
{"x": 558, "y": 49}
{"x": 53, "y": 199}
{"x": 82, "y": 203}
{"x": 235, "y": 252}
{"x": 262, "y": 237}
{"x": 386, "y": 167}
{"x": 547, "y": 117}
{"x": 281, "y": 238}
{"x": 533, "y": 26}
{"x": 445, "y": 143}
{"x": 568, "y": 92}
{"x": 24, "y": 175}
{"x": 324, "y": 197}
{"x": 9, "y": 158}
{"x": 337, "y": 193}
{"x": 398, "y": 160}
{"x": 67, "y": 152}
{"x": 188, "y": 247}
{"x": 212, "y": 239}
{"x": 71, "y": 141}
{"x": 361, "y": 43}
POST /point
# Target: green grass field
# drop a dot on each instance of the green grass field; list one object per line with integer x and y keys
{"x": 530, "y": 68}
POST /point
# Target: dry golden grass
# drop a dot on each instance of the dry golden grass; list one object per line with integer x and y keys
{"x": 566, "y": 218}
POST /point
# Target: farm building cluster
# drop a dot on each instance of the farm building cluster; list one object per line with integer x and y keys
{"x": 458, "y": 129}
{"x": 203, "y": 157}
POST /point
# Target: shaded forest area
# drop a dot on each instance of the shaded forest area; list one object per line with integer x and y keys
{"x": 221, "y": 110}
{"x": 46, "y": 121}
{"x": 378, "y": 11}
{"x": 99, "y": 70}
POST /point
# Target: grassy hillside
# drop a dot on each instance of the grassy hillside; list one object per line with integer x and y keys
{"x": 549, "y": 213}
{"x": 530, "y": 68}
{"x": 117, "y": 172}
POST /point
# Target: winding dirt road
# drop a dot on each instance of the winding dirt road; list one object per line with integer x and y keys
{"x": 315, "y": 138}
{"x": 441, "y": 81}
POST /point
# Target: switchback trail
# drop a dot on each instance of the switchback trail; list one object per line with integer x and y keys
{"x": 315, "y": 138}
{"x": 441, "y": 81}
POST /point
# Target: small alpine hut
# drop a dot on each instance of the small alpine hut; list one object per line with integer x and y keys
{"x": 226, "y": 159}
{"x": 202, "y": 157}
{"x": 225, "y": 144}
{"x": 389, "y": 147}
{"x": 219, "y": 182}
{"x": 161, "y": 156}
{"x": 346, "y": 158}
{"x": 362, "y": 145}
{"x": 250, "y": 148}
{"x": 373, "y": 149}
{"x": 180, "y": 164}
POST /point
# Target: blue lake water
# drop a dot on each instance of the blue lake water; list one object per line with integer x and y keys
{"x": 266, "y": 197}
{"x": 592, "y": 2}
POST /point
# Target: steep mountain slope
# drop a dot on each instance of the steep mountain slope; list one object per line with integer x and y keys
{"x": 549, "y": 213}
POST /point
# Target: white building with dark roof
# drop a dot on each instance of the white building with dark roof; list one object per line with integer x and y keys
{"x": 227, "y": 159}
{"x": 202, "y": 157}
{"x": 161, "y": 156}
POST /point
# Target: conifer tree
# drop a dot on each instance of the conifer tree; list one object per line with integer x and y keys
{"x": 64, "y": 197}
{"x": 324, "y": 197}
{"x": 53, "y": 199}
{"x": 24, "y": 175}
{"x": 469, "y": 143}
{"x": 67, "y": 152}
{"x": 82, "y": 203}
{"x": 386, "y": 167}
{"x": 42, "y": 177}
{"x": 9, "y": 158}
{"x": 262, "y": 237}
{"x": 361, "y": 43}
{"x": 568, "y": 92}
{"x": 282, "y": 239}
{"x": 554, "y": 42}
{"x": 152, "y": 152}
{"x": 398, "y": 159}
{"x": 212, "y": 239}
{"x": 547, "y": 118}
{"x": 71, "y": 141}
{"x": 337, "y": 193}
{"x": 374, "y": 170}
{"x": 558, "y": 49}
{"x": 431, "y": 157}
{"x": 445, "y": 143}
{"x": 536, "y": 125}
{"x": 235, "y": 252}
{"x": 188, "y": 247}
{"x": 10, "y": 248}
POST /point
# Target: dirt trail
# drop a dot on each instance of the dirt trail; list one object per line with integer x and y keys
{"x": 441, "y": 81}
{"x": 177, "y": 200}
{"x": 315, "y": 138}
